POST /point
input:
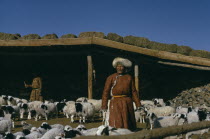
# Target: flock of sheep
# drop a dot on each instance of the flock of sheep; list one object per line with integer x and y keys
{"x": 155, "y": 113}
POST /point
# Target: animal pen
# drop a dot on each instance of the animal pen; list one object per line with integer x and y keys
{"x": 76, "y": 67}
{"x": 71, "y": 68}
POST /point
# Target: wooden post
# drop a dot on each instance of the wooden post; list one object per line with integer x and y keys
{"x": 136, "y": 74}
{"x": 90, "y": 77}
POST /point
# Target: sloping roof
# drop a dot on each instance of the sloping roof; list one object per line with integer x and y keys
{"x": 112, "y": 44}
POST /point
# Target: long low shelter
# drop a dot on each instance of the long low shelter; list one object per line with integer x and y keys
{"x": 76, "y": 67}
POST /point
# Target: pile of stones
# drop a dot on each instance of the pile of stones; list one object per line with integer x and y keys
{"x": 195, "y": 97}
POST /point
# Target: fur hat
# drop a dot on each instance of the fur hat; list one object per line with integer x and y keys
{"x": 125, "y": 62}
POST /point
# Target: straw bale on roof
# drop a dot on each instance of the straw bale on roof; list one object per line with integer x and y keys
{"x": 68, "y": 36}
{"x": 137, "y": 41}
{"x": 31, "y": 37}
{"x": 163, "y": 47}
{"x": 50, "y": 36}
{"x": 91, "y": 34}
{"x": 185, "y": 50}
{"x": 114, "y": 37}
{"x": 7, "y": 36}
{"x": 200, "y": 53}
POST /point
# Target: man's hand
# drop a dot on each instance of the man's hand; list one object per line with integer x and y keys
{"x": 104, "y": 110}
{"x": 139, "y": 108}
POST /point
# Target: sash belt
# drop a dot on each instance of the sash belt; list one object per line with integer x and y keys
{"x": 121, "y": 96}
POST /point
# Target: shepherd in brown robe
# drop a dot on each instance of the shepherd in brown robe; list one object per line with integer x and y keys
{"x": 36, "y": 89}
{"x": 121, "y": 89}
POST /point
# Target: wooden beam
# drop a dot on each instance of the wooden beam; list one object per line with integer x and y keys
{"x": 90, "y": 77}
{"x": 136, "y": 74}
{"x": 185, "y": 65}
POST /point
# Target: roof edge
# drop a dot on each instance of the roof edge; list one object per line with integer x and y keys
{"x": 108, "y": 43}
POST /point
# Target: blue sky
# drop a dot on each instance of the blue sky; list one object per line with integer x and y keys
{"x": 182, "y": 22}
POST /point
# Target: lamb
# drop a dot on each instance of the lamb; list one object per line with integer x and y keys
{"x": 202, "y": 131}
{"x": 165, "y": 121}
{"x": 60, "y": 106}
{"x": 85, "y": 110}
{"x": 70, "y": 110}
{"x": 159, "y": 102}
{"x": 44, "y": 128}
{"x": 13, "y": 110}
{"x": 6, "y": 125}
{"x": 45, "y": 110}
{"x": 3, "y": 100}
{"x": 52, "y": 133}
{"x": 23, "y": 108}
{"x": 22, "y": 133}
{"x": 181, "y": 109}
{"x": 34, "y": 134}
{"x": 162, "y": 111}
{"x": 81, "y": 127}
{"x": 192, "y": 117}
{"x": 97, "y": 103}
{"x": 89, "y": 132}
{"x": 57, "y": 126}
{"x": 11, "y": 101}
{"x": 107, "y": 130}
{"x": 140, "y": 115}
{"x": 32, "y": 106}
{"x": 196, "y": 116}
{"x": 69, "y": 132}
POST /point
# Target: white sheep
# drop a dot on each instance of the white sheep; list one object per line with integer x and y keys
{"x": 3, "y": 100}
{"x": 192, "y": 117}
{"x": 107, "y": 130}
{"x": 46, "y": 110}
{"x": 162, "y": 111}
{"x": 11, "y": 101}
{"x": 34, "y": 134}
{"x": 44, "y": 128}
{"x": 6, "y": 125}
{"x": 140, "y": 115}
{"x": 52, "y": 133}
{"x": 69, "y": 132}
{"x": 22, "y": 133}
{"x": 97, "y": 103}
{"x": 70, "y": 111}
{"x": 164, "y": 121}
{"x": 200, "y": 132}
{"x": 81, "y": 127}
{"x": 89, "y": 132}
{"x": 13, "y": 110}
{"x": 57, "y": 126}
{"x": 85, "y": 110}
{"x": 23, "y": 108}
{"x": 181, "y": 109}
{"x": 159, "y": 102}
{"x": 32, "y": 106}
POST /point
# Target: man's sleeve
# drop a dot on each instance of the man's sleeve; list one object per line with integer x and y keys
{"x": 134, "y": 94}
{"x": 106, "y": 93}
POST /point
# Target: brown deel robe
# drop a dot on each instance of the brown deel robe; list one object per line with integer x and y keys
{"x": 36, "y": 89}
{"x": 121, "y": 108}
